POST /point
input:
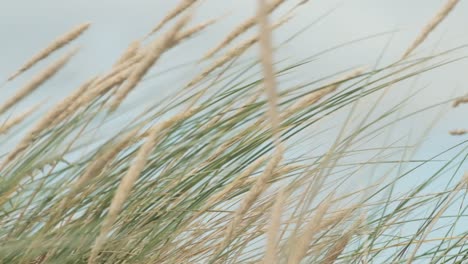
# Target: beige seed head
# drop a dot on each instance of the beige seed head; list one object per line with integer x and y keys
{"x": 274, "y": 229}
{"x": 266, "y": 57}
{"x": 237, "y": 182}
{"x": 49, "y": 118}
{"x": 460, "y": 101}
{"x": 230, "y": 54}
{"x": 233, "y": 53}
{"x": 100, "y": 86}
{"x": 301, "y": 246}
{"x": 126, "y": 185}
{"x": 315, "y": 96}
{"x": 337, "y": 249}
{"x": 218, "y": 117}
{"x": 153, "y": 53}
{"x": 10, "y": 123}
{"x": 37, "y": 80}
{"x": 258, "y": 188}
{"x": 66, "y": 108}
{"x": 221, "y": 149}
{"x": 341, "y": 244}
{"x": 179, "y": 9}
{"x": 55, "y": 45}
{"x": 192, "y": 31}
{"x": 123, "y": 192}
{"x": 337, "y": 217}
{"x": 239, "y": 30}
{"x": 98, "y": 166}
{"x": 439, "y": 17}
{"x": 465, "y": 178}
{"x": 106, "y": 84}
{"x": 130, "y": 52}
{"x": 118, "y": 69}
{"x": 459, "y": 132}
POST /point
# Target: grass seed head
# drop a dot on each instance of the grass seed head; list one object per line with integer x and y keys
{"x": 55, "y": 45}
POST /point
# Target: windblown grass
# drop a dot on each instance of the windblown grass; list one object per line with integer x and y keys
{"x": 212, "y": 175}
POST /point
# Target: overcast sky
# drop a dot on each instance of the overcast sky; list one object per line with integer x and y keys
{"x": 26, "y": 26}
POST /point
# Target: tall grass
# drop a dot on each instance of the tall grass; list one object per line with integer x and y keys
{"x": 212, "y": 174}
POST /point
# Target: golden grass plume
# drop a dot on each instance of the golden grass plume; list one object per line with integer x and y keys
{"x": 55, "y": 45}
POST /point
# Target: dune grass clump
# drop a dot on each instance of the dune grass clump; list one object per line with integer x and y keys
{"x": 233, "y": 166}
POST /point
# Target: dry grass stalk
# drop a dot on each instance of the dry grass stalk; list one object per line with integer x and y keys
{"x": 221, "y": 149}
{"x": 156, "y": 49}
{"x": 55, "y": 45}
{"x": 281, "y": 171}
{"x": 121, "y": 68}
{"x": 74, "y": 98}
{"x": 179, "y": 9}
{"x": 214, "y": 121}
{"x": 258, "y": 188}
{"x": 266, "y": 56}
{"x": 439, "y": 17}
{"x": 130, "y": 52}
{"x": 10, "y": 123}
{"x": 192, "y": 31}
{"x": 99, "y": 86}
{"x": 331, "y": 221}
{"x": 301, "y": 246}
{"x": 337, "y": 249}
{"x": 341, "y": 244}
{"x": 51, "y": 117}
{"x": 123, "y": 192}
{"x": 237, "y": 182}
{"x": 315, "y": 96}
{"x": 274, "y": 229}
{"x": 229, "y": 55}
{"x": 220, "y": 196}
{"x": 336, "y": 218}
{"x": 459, "y": 132}
{"x": 103, "y": 85}
{"x": 96, "y": 168}
{"x": 228, "y": 143}
{"x": 37, "y": 81}
{"x": 165, "y": 124}
{"x": 252, "y": 99}
{"x": 126, "y": 185}
{"x": 460, "y": 101}
{"x": 218, "y": 152}
{"x": 102, "y": 160}
{"x": 243, "y": 27}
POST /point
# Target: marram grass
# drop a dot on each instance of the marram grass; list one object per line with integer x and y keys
{"x": 212, "y": 174}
